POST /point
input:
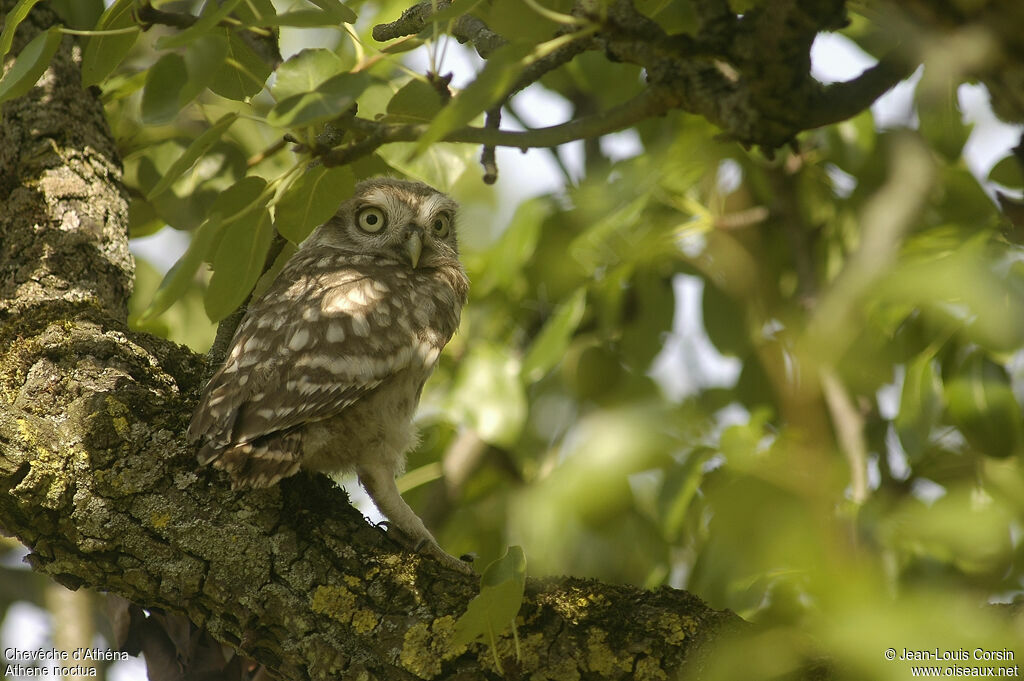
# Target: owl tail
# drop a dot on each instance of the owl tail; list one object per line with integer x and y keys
{"x": 259, "y": 463}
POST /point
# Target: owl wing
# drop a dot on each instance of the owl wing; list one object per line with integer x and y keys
{"x": 323, "y": 335}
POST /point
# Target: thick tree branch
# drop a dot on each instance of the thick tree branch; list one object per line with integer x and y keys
{"x": 750, "y": 75}
{"x": 97, "y": 480}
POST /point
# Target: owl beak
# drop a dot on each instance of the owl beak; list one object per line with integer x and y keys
{"x": 414, "y": 246}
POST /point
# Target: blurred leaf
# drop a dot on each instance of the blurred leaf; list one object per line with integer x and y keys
{"x": 164, "y": 81}
{"x": 680, "y": 487}
{"x": 593, "y": 372}
{"x": 921, "y": 405}
{"x": 725, "y": 322}
{"x": 501, "y": 266}
{"x": 503, "y": 67}
{"x": 30, "y": 64}
{"x": 611, "y": 240}
{"x": 192, "y": 154}
{"x": 242, "y": 74}
{"x": 142, "y": 219}
{"x": 550, "y": 345}
{"x": 965, "y": 527}
{"x": 488, "y": 395}
{"x": 328, "y": 101}
{"x": 495, "y": 608}
{"x": 647, "y": 315}
{"x": 311, "y": 200}
{"x": 103, "y": 53}
{"x": 941, "y": 122}
{"x": 305, "y": 71}
{"x": 981, "y": 404}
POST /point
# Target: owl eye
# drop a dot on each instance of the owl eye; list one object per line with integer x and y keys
{"x": 441, "y": 224}
{"x": 371, "y": 219}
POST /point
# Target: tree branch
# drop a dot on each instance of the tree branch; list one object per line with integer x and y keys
{"x": 650, "y": 102}
{"x": 97, "y": 480}
{"x": 750, "y": 75}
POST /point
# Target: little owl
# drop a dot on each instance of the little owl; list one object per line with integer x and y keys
{"x": 326, "y": 368}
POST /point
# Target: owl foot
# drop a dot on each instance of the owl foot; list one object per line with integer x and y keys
{"x": 425, "y": 546}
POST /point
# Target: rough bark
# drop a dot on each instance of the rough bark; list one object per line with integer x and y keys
{"x": 97, "y": 480}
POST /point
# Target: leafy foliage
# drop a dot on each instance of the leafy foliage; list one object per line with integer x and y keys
{"x": 790, "y": 385}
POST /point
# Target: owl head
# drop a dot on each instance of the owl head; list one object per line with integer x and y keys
{"x": 407, "y": 221}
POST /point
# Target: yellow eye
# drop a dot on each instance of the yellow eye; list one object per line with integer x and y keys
{"x": 371, "y": 219}
{"x": 441, "y": 224}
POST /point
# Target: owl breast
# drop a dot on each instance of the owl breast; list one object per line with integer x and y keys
{"x": 378, "y": 427}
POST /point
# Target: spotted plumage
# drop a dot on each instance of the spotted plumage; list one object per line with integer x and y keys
{"x": 326, "y": 368}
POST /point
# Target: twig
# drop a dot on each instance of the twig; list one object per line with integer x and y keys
{"x": 652, "y": 102}
{"x": 487, "y": 155}
{"x": 840, "y": 101}
{"x": 849, "y": 425}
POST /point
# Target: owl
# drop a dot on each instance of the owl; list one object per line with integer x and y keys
{"x": 326, "y": 368}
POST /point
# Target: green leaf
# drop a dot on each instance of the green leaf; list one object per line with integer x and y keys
{"x": 725, "y": 322}
{"x": 181, "y": 275}
{"x": 312, "y": 200}
{"x": 921, "y": 405}
{"x": 940, "y": 120}
{"x": 496, "y": 606}
{"x": 104, "y": 52}
{"x": 492, "y": 83}
{"x": 416, "y": 99}
{"x": 514, "y": 18}
{"x": 242, "y": 73}
{"x": 303, "y": 18}
{"x": 981, "y": 404}
{"x": 30, "y": 64}
{"x": 195, "y": 150}
{"x": 326, "y": 102}
{"x": 403, "y": 44}
{"x": 210, "y": 49}
{"x": 79, "y": 14}
{"x": 238, "y": 263}
{"x": 305, "y": 71}
{"x": 503, "y": 264}
{"x": 553, "y": 340}
{"x": 14, "y": 18}
{"x": 252, "y": 12}
{"x": 212, "y": 15}
{"x": 164, "y": 81}
{"x": 340, "y": 12}
{"x": 1008, "y": 172}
